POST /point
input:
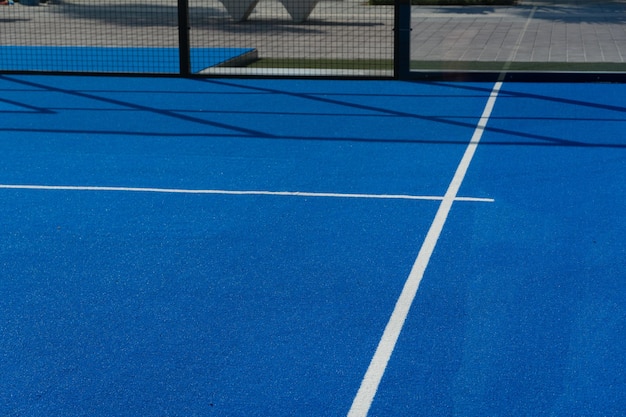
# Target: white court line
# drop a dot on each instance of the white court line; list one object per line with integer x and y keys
{"x": 518, "y": 43}
{"x": 235, "y": 192}
{"x": 369, "y": 385}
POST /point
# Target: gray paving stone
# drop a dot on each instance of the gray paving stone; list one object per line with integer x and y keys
{"x": 544, "y": 31}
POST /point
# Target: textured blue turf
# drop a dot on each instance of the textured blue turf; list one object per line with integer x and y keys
{"x": 110, "y": 59}
{"x": 530, "y": 289}
{"x": 127, "y": 303}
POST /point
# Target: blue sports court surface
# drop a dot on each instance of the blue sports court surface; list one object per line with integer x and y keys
{"x": 232, "y": 247}
{"x": 113, "y": 59}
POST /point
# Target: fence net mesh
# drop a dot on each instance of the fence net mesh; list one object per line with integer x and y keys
{"x": 311, "y": 37}
{"x": 286, "y": 37}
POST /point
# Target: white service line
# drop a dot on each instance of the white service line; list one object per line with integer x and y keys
{"x": 236, "y": 192}
{"x": 369, "y": 385}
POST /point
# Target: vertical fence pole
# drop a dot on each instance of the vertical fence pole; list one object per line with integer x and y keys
{"x": 184, "y": 48}
{"x": 402, "y": 39}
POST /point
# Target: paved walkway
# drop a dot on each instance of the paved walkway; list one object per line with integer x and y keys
{"x": 532, "y": 31}
{"x": 592, "y": 31}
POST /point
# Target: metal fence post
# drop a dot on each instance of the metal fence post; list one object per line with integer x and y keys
{"x": 184, "y": 48}
{"x": 402, "y": 39}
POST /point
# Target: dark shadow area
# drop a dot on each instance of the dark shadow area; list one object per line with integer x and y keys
{"x": 137, "y": 14}
{"x": 560, "y": 100}
{"x": 547, "y": 140}
{"x": 466, "y": 10}
{"x": 275, "y": 26}
{"x": 23, "y": 108}
{"x": 581, "y": 11}
{"x": 530, "y": 139}
{"x": 4, "y": 20}
{"x": 216, "y": 18}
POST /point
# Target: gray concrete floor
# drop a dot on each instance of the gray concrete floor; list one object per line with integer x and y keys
{"x": 533, "y": 31}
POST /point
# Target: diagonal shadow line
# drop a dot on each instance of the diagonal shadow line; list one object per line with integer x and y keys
{"x": 248, "y": 133}
{"x": 26, "y": 108}
{"x": 531, "y": 119}
{"x": 375, "y": 109}
{"x": 565, "y": 101}
{"x": 486, "y": 142}
{"x": 265, "y": 93}
{"x": 337, "y": 115}
{"x": 549, "y": 141}
{"x": 313, "y": 97}
{"x": 507, "y": 93}
{"x": 167, "y": 113}
{"x": 243, "y": 113}
{"x": 559, "y": 141}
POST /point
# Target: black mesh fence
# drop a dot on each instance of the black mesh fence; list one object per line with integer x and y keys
{"x": 297, "y": 36}
{"x": 313, "y": 37}
{"x": 90, "y": 36}
{"x": 287, "y": 37}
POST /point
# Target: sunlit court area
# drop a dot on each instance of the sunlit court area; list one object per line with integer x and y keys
{"x": 312, "y": 208}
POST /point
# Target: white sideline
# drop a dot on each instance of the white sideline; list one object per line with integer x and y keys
{"x": 369, "y": 385}
{"x": 236, "y": 192}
